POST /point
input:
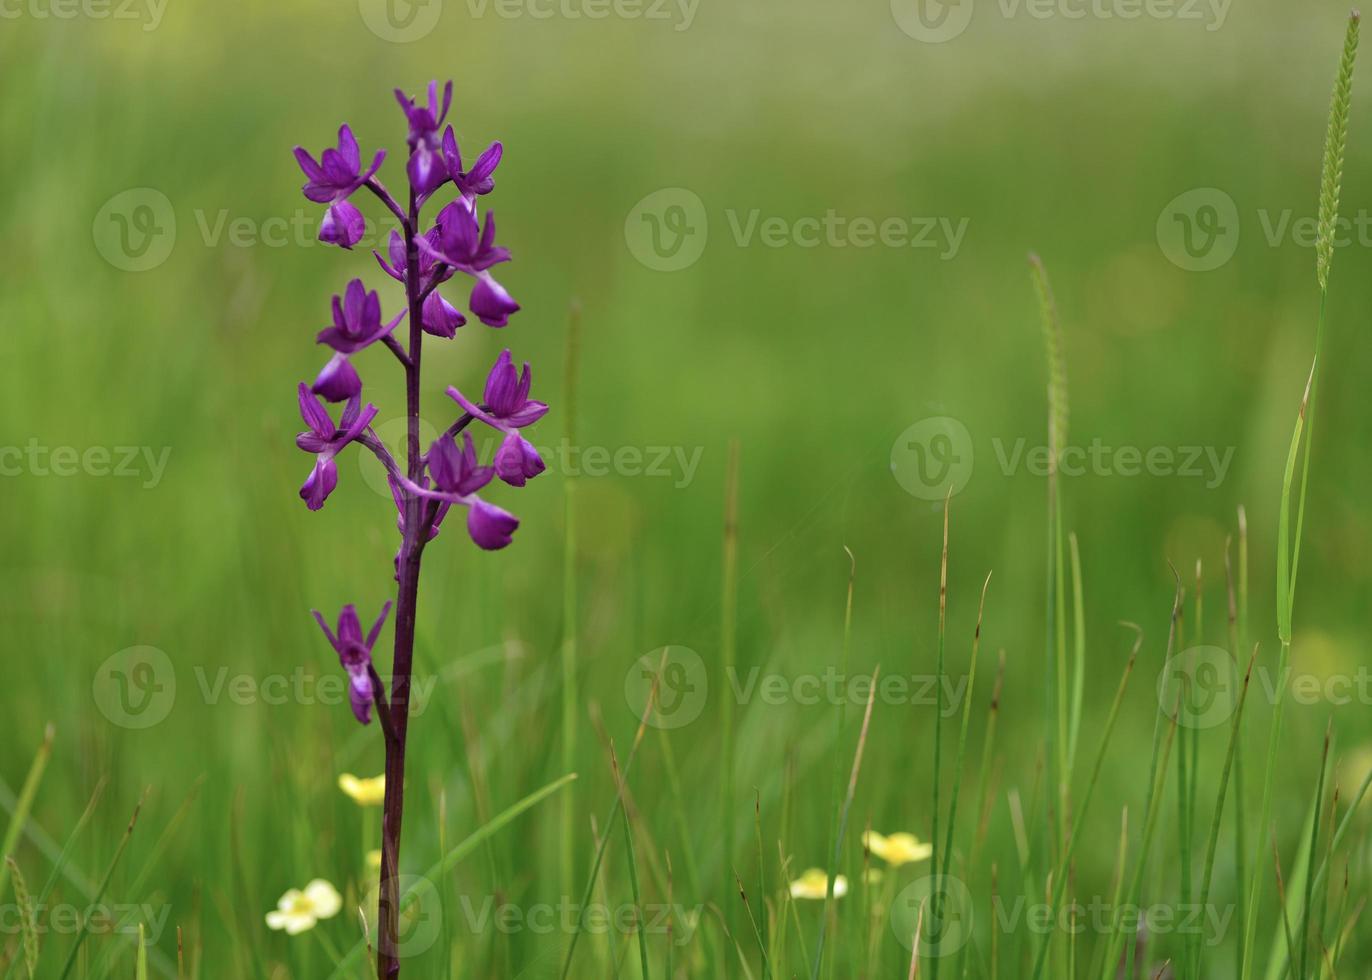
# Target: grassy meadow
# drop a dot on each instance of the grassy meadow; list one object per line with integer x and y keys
{"x": 792, "y": 238}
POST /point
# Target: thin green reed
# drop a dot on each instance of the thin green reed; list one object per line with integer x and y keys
{"x": 836, "y": 785}
{"x": 934, "y": 903}
{"x": 966, "y": 717}
{"x": 1151, "y": 805}
{"x": 1238, "y": 631}
{"x": 1236, "y": 727}
{"x": 1062, "y": 872}
{"x": 728, "y": 626}
{"x": 1314, "y": 848}
{"x": 1288, "y": 553}
{"x": 566, "y": 861}
{"x": 1056, "y": 593}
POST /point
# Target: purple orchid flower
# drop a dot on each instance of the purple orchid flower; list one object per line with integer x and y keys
{"x": 508, "y": 408}
{"x": 326, "y": 441}
{"x": 332, "y": 181}
{"x": 427, "y": 170}
{"x": 355, "y": 654}
{"x": 356, "y": 325}
{"x": 457, "y": 476}
{"x": 478, "y": 180}
{"x": 459, "y": 242}
{"x": 437, "y": 316}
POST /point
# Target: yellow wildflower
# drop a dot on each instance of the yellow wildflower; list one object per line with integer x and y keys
{"x": 364, "y": 792}
{"x": 299, "y": 911}
{"x": 814, "y": 883}
{"x": 897, "y": 849}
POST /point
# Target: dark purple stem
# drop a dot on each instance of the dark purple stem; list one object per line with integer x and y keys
{"x": 411, "y": 551}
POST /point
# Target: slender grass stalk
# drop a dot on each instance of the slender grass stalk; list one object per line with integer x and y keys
{"x": 104, "y": 884}
{"x": 28, "y": 927}
{"x": 939, "y": 671}
{"x": 966, "y": 719}
{"x": 1149, "y": 826}
{"x": 987, "y": 752}
{"x": 836, "y": 784}
{"x": 847, "y": 806}
{"x": 914, "y": 945}
{"x": 752, "y": 921}
{"x": 1288, "y": 554}
{"x": 1062, "y": 874}
{"x": 1307, "y": 905}
{"x": 627, "y": 825}
{"x": 570, "y": 696}
{"x": 615, "y": 812}
{"x": 1116, "y": 942}
{"x": 24, "y": 803}
{"x": 761, "y": 883}
{"x": 1240, "y": 801}
{"x": 1213, "y": 843}
{"x": 1078, "y": 652}
{"x": 1281, "y": 900}
{"x": 728, "y": 655}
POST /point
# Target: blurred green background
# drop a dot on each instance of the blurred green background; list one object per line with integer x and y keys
{"x": 1071, "y": 136}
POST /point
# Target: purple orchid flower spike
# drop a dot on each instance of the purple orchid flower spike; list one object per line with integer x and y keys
{"x": 427, "y": 170}
{"x": 421, "y": 256}
{"x": 332, "y": 180}
{"x": 356, "y": 325}
{"x": 355, "y": 654}
{"x": 477, "y": 181}
{"x": 508, "y": 408}
{"x": 326, "y": 441}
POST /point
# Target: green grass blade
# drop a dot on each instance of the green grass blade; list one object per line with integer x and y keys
{"x": 28, "y": 927}
{"x": 104, "y": 884}
{"x": 570, "y": 696}
{"x": 24, "y": 803}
